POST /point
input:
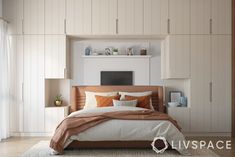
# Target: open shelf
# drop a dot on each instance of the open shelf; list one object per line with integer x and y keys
{"x": 54, "y": 87}
{"x": 117, "y": 56}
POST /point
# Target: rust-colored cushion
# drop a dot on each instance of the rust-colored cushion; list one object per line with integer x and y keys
{"x": 105, "y": 101}
{"x": 143, "y": 101}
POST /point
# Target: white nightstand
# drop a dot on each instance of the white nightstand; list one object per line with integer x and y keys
{"x": 182, "y": 116}
{"x": 53, "y": 116}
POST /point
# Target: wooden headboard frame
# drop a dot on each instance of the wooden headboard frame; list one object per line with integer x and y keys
{"x": 78, "y": 94}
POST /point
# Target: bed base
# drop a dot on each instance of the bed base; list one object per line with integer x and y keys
{"x": 114, "y": 144}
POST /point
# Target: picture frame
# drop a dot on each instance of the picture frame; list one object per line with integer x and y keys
{"x": 174, "y": 96}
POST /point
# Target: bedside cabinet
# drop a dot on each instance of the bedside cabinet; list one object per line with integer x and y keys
{"x": 53, "y": 117}
{"x": 182, "y": 116}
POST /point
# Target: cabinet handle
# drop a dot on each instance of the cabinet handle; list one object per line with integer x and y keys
{"x": 22, "y": 92}
{"x": 22, "y": 23}
{"x": 210, "y": 91}
{"x": 64, "y": 26}
{"x": 168, "y": 26}
{"x": 116, "y": 26}
{"x": 65, "y": 73}
{"x": 210, "y": 26}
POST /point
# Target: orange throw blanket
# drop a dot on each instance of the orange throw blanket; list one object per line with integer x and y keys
{"x": 75, "y": 125}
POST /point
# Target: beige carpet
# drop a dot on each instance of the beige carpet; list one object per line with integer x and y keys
{"x": 42, "y": 149}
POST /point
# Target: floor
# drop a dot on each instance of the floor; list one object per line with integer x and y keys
{"x": 15, "y": 146}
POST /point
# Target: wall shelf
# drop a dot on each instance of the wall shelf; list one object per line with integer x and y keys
{"x": 117, "y": 56}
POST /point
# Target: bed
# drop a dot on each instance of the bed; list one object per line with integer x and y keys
{"x": 78, "y": 102}
{"x": 118, "y": 133}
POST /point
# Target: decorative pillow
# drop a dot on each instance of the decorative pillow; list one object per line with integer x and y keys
{"x": 134, "y": 94}
{"x": 142, "y": 101}
{"x": 130, "y": 103}
{"x": 105, "y": 101}
{"x": 90, "y": 101}
{"x": 137, "y": 94}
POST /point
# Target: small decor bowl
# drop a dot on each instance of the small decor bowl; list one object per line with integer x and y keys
{"x": 58, "y": 103}
{"x": 173, "y": 104}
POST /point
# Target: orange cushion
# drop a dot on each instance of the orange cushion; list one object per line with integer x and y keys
{"x": 105, "y": 101}
{"x": 142, "y": 101}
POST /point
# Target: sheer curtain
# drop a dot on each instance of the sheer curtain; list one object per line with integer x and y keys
{"x": 4, "y": 82}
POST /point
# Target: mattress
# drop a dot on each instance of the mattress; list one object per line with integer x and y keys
{"x": 127, "y": 130}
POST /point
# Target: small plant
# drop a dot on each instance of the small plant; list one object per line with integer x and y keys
{"x": 115, "y": 50}
{"x": 58, "y": 100}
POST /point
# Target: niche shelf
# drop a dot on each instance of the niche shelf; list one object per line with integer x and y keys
{"x": 117, "y": 56}
{"x": 54, "y": 87}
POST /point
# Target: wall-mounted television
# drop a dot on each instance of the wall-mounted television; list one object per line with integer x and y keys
{"x": 116, "y": 78}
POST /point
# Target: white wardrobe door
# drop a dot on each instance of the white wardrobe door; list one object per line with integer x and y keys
{"x": 13, "y": 12}
{"x": 155, "y": 17}
{"x": 221, "y": 16}
{"x": 200, "y": 83}
{"x": 178, "y": 56}
{"x": 16, "y": 68}
{"x": 78, "y": 17}
{"x": 54, "y": 16}
{"x": 33, "y": 17}
{"x": 221, "y": 83}
{"x": 200, "y": 16}
{"x": 179, "y": 15}
{"x": 34, "y": 83}
{"x": 130, "y": 17}
{"x": 104, "y": 15}
{"x": 55, "y": 56}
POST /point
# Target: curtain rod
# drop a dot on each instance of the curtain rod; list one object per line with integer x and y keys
{"x": 4, "y": 20}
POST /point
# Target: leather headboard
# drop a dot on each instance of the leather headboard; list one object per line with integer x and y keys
{"x": 78, "y": 96}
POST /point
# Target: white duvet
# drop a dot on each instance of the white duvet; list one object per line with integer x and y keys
{"x": 128, "y": 130}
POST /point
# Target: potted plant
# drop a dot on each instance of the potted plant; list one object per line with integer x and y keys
{"x": 58, "y": 100}
{"x": 115, "y": 51}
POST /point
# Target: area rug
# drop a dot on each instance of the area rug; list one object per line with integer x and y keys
{"x": 42, "y": 149}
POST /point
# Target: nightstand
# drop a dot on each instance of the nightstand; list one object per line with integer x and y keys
{"x": 53, "y": 116}
{"x": 182, "y": 116}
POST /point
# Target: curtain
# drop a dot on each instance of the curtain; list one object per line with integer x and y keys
{"x": 4, "y": 82}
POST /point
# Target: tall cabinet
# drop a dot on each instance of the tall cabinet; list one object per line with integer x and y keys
{"x": 33, "y": 85}
{"x": 16, "y": 90}
{"x": 221, "y": 83}
{"x": 200, "y": 83}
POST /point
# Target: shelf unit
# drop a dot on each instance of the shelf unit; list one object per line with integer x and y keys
{"x": 117, "y": 56}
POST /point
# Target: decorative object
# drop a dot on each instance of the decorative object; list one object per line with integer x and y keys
{"x": 58, "y": 100}
{"x": 108, "y": 51}
{"x": 115, "y": 51}
{"x": 88, "y": 51}
{"x": 95, "y": 53}
{"x": 175, "y": 96}
{"x": 173, "y": 104}
{"x": 129, "y": 51}
{"x": 183, "y": 101}
{"x": 143, "y": 51}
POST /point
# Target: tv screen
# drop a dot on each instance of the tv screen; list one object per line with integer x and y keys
{"x": 116, "y": 78}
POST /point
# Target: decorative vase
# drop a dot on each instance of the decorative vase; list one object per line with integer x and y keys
{"x": 58, "y": 103}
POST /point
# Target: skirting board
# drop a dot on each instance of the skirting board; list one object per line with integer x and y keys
{"x": 224, "y": 134}
{"x": 30, "y": 134}
{"x": 38, "y": 134}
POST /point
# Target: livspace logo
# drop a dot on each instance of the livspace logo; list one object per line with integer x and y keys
{"x": 182, "y": 145}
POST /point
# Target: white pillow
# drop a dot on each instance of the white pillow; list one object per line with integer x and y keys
{"x": 130, "y": 103}
{"x": 134, "y": 94}
{"x": 137, "y": 94}
{"x": 91, "y": 100}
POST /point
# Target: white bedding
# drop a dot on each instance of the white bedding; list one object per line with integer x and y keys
{"x": 128, "y": 130}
